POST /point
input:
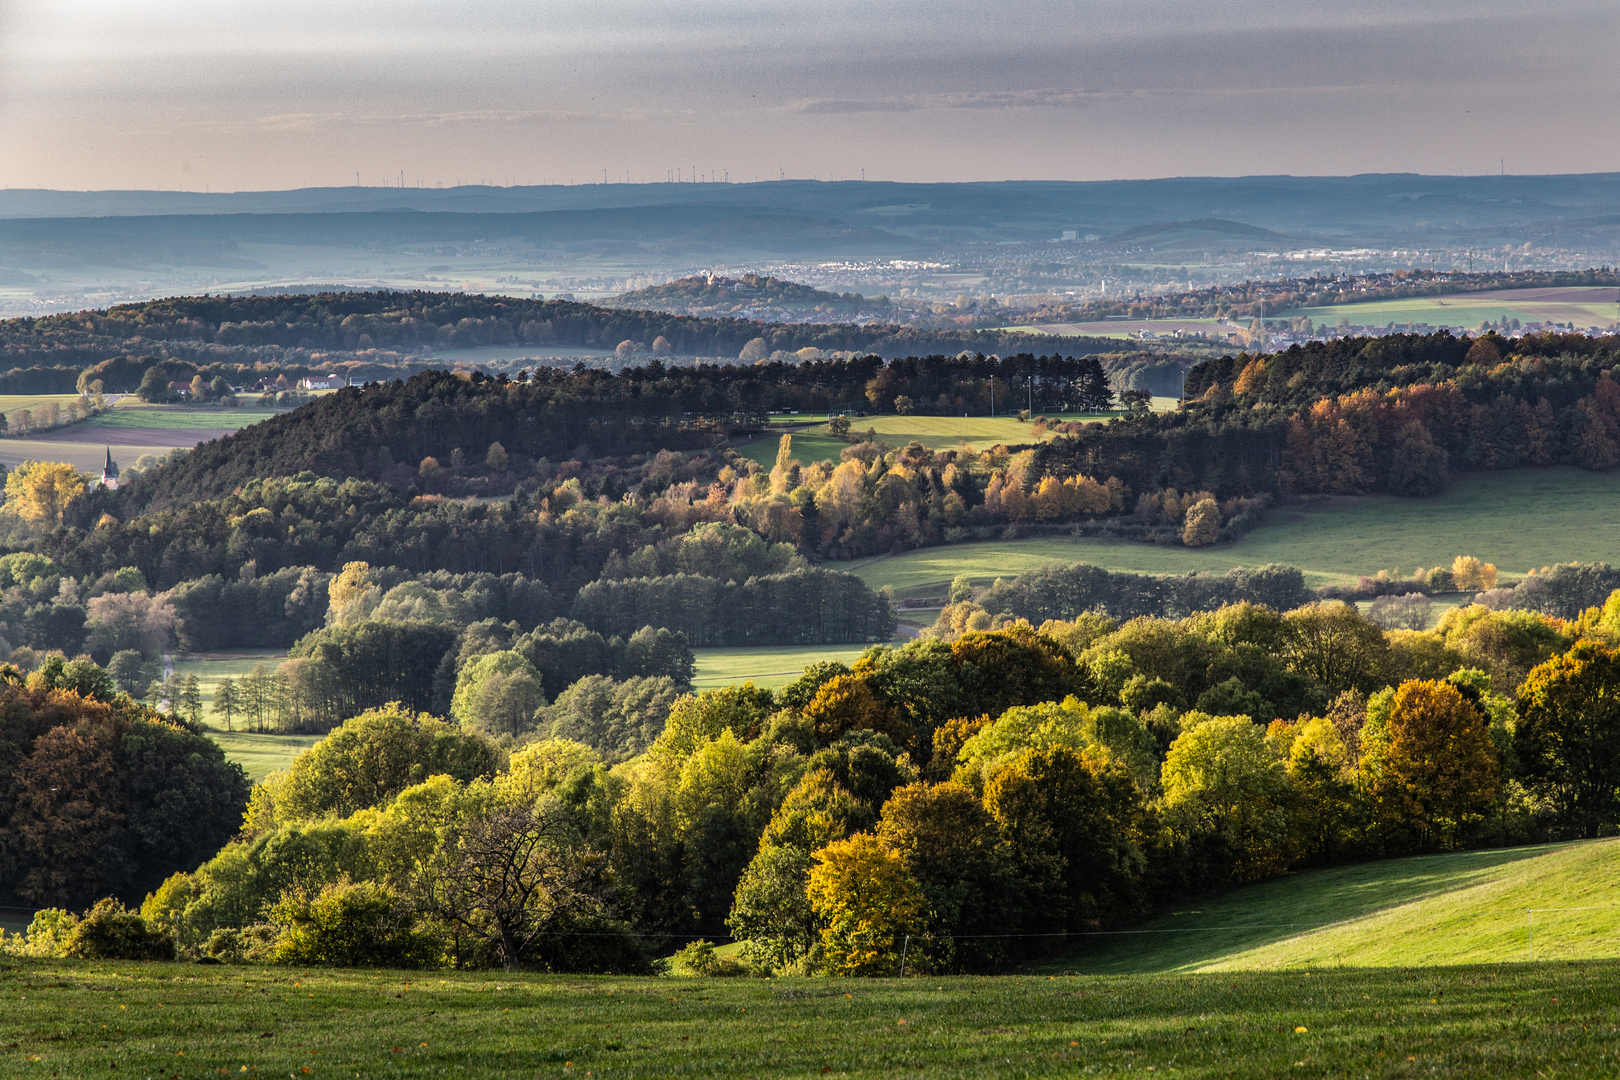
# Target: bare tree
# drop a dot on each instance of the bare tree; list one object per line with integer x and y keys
{"x": 515, "y": 876}
{"x": 1410, "y": 612}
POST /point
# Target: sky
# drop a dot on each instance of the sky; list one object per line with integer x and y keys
{"x": 237, "y": 95}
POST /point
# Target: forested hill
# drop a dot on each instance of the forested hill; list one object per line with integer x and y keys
{"x": 708, "y": 294}
{"x": 286, "y": 329}
{"x": 384, "y": 430}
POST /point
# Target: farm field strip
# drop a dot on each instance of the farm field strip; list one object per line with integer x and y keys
{"x": 1516, "y": 519}
{"x": 1583, "y": 306}
{"x": 83, "y": 1018}
{"x": 177, "y": 417}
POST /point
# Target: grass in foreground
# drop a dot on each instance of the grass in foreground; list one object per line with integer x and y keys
{"x": 66, "y": 1018}
{"x": 765, "y": 666}
{"x": 1516, "y": 519}
{"x": 1463, "y": 908}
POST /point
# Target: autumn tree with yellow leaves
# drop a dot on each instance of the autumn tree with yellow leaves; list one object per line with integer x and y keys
{"x": 41, "y": 490}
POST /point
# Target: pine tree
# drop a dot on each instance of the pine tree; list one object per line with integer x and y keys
{"x": 190, "y": 704}
{"x": 227, "y": 703}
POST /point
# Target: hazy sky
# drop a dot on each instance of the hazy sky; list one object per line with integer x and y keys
{"x": 251, "y": 95}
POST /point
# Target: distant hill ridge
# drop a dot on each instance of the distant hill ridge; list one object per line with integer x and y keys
{"x": 712, "y": 292}
{"x": 1217, "y": 226}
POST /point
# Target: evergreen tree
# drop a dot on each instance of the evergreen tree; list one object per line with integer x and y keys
{"x": 227, "y": 702}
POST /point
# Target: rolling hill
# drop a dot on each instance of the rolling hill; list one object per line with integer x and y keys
{"x": 1469, "y": 907}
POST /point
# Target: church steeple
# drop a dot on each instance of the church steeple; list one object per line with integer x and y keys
{"x": 109, "y": 472}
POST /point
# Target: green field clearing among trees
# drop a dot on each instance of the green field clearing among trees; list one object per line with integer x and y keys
{"x": 1428, "y": 910}
{"x": 82, "y": 1018}
{"x": 260, "y": 753}
{"x": 766, "y": 666}
{"x": 129, "y": 414}
{"x": 935, "y": 432}
{"x": 1516, "y": 519}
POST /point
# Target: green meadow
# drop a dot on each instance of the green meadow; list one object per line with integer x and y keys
{"x": 259, "y": 753}
{"x": 1470, "y": 907}
{"x": 1583, "y": 306}
{"x": 175, "y": 417}
{"x": 1518, "y": 520}
{"x": 765, "y": 666}
{"x": 68, "y": 1018}
{"x": 935, "y": 432}
{"x": 213, "y": 668}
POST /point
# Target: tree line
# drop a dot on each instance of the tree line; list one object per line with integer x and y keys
{"x": 942, "y": 798}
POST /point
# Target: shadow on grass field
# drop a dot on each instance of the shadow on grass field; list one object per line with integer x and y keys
{"x": 88, "y": 1018}
{"x": 1466, "y": 907}
{"x": 1516, "y": 519}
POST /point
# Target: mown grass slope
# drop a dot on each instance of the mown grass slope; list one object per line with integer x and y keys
{"x": 765, "y": 665}
{"x": 1463, "y": 908}
{"x": 67, "y": 1018}
{"x": 1516, "y": 519}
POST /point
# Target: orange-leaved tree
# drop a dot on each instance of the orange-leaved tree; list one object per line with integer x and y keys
{"x": 1432, "y": 767}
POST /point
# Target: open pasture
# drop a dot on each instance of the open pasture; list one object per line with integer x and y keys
{"x": 765, "y": 666}
{"x": 1583, "y": 306}
{"x": 101, "y": 1018}
{"x": 129, "y": 429}
{"x": 1516, "y": 519}
{"x": 177, "y": 418}
{"x": 12, "y": 404}
{"x": 1469, "y": 907}
{"x": 257, "y": 752}
{"x": 935, "y": 432}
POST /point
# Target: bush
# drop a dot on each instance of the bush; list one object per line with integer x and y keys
{"x": 699, "y": 959}
{"x": 110, "y": 931}
{"x": 351, "y": 924}
{"x": 46, "y": 936}
{"x": 255, "y": 944}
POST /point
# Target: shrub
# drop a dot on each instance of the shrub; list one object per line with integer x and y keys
{"x": 700, "y": 959}
{"x": 350, "y": 924}
{"x": 110, "y": 931}
{"x": 255, "y": 944}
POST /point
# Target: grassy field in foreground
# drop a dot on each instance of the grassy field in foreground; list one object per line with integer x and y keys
{"x": 1516, "y": 519}
{"x": 766, "y": 665}
{"x": 86, "y": 1018}
{"x": 1425, "y": 911}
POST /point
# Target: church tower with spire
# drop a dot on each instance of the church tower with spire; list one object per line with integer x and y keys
{"x": 109, "y": 472}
